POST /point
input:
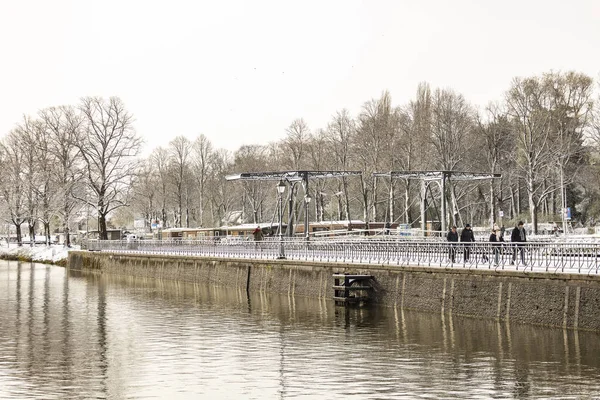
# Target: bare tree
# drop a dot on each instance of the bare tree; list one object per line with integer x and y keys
{"x": 30, "y": 135}
{"x": 340, "y": 132}
{"x": 497, "y": 143}
{"x": 63, "y": 125}
{"x": 108, "y": 146}
{"x": 570, "y": 96}
{"x": 12, "y": 181}
{"x": 451, "y": 128}
{"x": 529, "y": 106}
{"x": 415, "y": 139}
{"x": 180, "y": 163}
{"x": 295, "y": 144}
{"x": 369, "y": 145}
{"x": 159, "y": 160}
{"x": 222, "y": 196}
{"x": 252, "y": 159}
{"x": 202, "y": 155}
{"x": 145, "y": 193}
{"x": 319, "y": 157}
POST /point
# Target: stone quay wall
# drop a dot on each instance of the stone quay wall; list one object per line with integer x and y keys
{"x": 560, "y": 300}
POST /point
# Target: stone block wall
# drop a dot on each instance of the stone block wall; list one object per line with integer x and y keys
{"x": 560, "y": 300}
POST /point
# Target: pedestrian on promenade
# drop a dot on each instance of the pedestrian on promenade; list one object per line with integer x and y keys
{"x": 495, "y": 239}
{"x": 518, "y": 237}
{"x": 466, "y": 238}
{"x": 501, "y": 234}
{"x": 452, "y": 238}
{"x": 258, "y": 236}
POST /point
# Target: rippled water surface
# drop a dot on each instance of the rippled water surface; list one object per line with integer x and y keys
{"x": 120, "y": 337}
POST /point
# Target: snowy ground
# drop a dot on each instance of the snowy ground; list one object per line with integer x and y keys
{"x": 38, "y": 253}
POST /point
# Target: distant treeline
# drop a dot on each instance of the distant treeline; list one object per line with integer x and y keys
{"x": 80, "y": 162}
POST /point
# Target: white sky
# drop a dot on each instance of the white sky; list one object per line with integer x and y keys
{"x": 241, "y": 71}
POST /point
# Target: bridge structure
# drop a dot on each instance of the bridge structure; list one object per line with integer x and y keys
{"x": 441, "y": 178}
{"x": 290, "y": 179}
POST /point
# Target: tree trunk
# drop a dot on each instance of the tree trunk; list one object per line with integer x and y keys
{"x": 492, "y": 204}
{"x": 518, "y": 200}
{"x": 19, "y": 234}
{"x": 533, "y": 212}
{"x": 102, "y": 234}
{"x": 365, "y": 198}
{"x": 31, "y": 229}
{"x": 201, "y": 204}
{"x": 65, "y": 224}
{"x": 102, "y": 226}
{"x": 513, "y": 210}
{"x": 407, "y": 215}
{"x": 340, "y": 190}
{"x": 545, "y": 207}
{"x": 47, "y": 232}
{"x": 391, "y": 201}
{"x": 347, "y": 200}
{"x": 374, "y": 205}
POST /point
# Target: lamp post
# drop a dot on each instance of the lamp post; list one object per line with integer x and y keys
{"x": 280, "y": 191}
{"x": 307, "y": 200}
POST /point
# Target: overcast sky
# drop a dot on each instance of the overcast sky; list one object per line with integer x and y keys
{"x": 241, "y": 71}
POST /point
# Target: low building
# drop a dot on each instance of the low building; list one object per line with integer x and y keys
{"x": 113, "y": 234}
{"x": 181, "y": 234}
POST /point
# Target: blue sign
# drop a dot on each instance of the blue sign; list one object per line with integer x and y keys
{"x": 568, "y": 213}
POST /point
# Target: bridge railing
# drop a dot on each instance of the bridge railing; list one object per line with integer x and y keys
{"x": 531, "y": 256}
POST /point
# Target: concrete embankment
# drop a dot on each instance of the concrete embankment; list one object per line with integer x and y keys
{"x": 561, "y": 300}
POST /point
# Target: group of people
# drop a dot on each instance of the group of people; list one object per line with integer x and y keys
{"x": 517, "y": 237}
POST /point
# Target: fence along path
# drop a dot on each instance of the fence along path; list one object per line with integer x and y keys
{"x": 538, "y": 256}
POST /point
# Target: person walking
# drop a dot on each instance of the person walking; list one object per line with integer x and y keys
{"x": 467, "y": 237}
{"x": 518, "y": 237}
{"x": 495, "y": 239}
{"x": 258, "y": 236}
{"x": 452, "y": 238}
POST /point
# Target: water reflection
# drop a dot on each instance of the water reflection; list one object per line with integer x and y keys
{"x": 97, "y": 336}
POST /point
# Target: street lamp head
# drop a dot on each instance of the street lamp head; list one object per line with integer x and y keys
{"x": 307, "y": 199}
{"x": 281, "y": 187}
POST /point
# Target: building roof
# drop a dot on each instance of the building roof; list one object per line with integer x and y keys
{"x": 250, "y": 226}
{"x": 181, "y": 230}
{"x": 342, "y": 222}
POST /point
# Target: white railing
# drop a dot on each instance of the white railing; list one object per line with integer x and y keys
{"x": 551, "y": 257}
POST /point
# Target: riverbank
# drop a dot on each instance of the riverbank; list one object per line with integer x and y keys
{"x": 53, "y": 254}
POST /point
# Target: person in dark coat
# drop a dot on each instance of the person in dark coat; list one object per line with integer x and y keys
{"x": 258, "y": 237}
{"x": 467, "y": 237}
{"x": 518, "y": 237}
{"x": 495, "y": 240}
{"x": 258, "y": 234}
{"x": 387, "y": 228}
{"x": 452, "y": 237}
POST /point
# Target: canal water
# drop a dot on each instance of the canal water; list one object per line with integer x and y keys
{"x": 90, "y": 336}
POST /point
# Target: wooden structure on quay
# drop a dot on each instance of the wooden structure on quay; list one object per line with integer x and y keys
{"x": 351, "y": 289}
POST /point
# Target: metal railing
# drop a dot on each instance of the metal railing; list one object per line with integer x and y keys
{"x": 551, "y": 257}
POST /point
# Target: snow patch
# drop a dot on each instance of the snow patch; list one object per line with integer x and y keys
{"x": 40, "y": 253}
